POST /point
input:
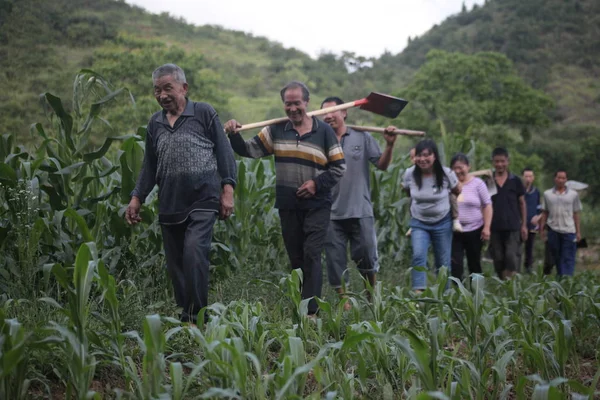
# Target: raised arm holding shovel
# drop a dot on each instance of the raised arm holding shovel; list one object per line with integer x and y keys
{"x": 352, "y": 218}
{"x": 309, "y": 162}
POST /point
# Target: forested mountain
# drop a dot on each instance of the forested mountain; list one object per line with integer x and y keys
{"x": 555, "y": 45}
{"x": 543, "y": 71}
{"x": 43, "y": 44}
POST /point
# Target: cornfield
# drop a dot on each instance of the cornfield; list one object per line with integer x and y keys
{"x": 86, "y": 308}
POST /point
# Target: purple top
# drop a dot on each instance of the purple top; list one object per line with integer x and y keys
{"x": 471, "y": 200}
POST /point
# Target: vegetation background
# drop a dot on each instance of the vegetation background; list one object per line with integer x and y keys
{"x": 81, "y": 292}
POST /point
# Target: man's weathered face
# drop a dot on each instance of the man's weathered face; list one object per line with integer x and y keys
{"x": 528, "y": 178}
{"x": 294, "y": 105}
{"x": 500, "y": 163}
{"x": 334, "y": 119}
{"x": 169, "y": 93}
{"x": 560, "y": 179}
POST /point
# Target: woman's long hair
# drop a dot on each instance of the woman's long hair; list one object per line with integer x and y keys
{"x": 438, "y": 170}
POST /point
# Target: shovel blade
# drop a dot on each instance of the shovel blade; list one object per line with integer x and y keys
{"x": 383, "y": 104}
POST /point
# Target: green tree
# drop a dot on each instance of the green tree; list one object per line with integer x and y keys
{"x": 130, "y": 61}
{"x": 589, "y": 168}
{"x": 473, "y": 91}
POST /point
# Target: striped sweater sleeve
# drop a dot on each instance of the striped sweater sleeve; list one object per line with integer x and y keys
{"x": 336, "y": 164}
{"x": 259, "y": 146}
{"x": 225, "y": 161}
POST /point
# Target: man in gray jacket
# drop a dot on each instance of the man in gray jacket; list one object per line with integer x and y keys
{"x": 352, "y": 217}
{"x": 192, "y": 163}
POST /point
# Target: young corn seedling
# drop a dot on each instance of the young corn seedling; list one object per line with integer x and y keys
{"x": 294, "y": 371}
{"x": 248, "y": 323}
{"x": 74, "y": 339}
{"x": 240, "y": 370}
{"x": 289, "y": 287}
{"x": 114, "y": 329}
{"x": 14, "y": 358}
{"x": 333, "y": 317}
{"x": 150, "y": 382}
{"x": 562, "y": 345}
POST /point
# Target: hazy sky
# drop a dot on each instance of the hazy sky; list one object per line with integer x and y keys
{"x": 367, "y": 28}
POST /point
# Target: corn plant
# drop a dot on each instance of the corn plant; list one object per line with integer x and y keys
{"x": 15, "y": 341}
{"x": 113, "y": 333}
{"x": 150, "y": 382}
{"x": 85, "y": 296}
{"x": 74, "y": 339}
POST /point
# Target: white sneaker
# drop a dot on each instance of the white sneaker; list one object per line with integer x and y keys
{"x": 456, "y": 226}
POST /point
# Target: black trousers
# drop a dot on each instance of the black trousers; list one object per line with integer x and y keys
{"x": 469, "y": 244}
{"x": 548, "y": 259}
{"x": 187, "y": 247}
{"x": 304, "y": 234}
{"x": 529, "y": 251}
{"x": 506, "y": 251}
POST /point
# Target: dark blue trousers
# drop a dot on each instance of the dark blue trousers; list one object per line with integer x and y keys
{"x": 563, "y": 247}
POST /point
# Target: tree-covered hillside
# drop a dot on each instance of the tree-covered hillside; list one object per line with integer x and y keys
{"x": 548, "y": 46}
{"x": 555, "y": 44}
{"x": 43, "y": 45}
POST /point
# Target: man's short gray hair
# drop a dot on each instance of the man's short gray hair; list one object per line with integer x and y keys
{"x": 169, "y": 69}
{"x": 296, "y": 85}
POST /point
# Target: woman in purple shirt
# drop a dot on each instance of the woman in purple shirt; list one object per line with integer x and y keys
{"x": 475, "y": 215}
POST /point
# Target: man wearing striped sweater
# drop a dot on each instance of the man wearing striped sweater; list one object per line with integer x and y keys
{"x": 309, "y": 162}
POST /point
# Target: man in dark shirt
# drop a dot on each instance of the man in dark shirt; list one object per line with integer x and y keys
{"x": 309, "y": 162}
{"x": 534, "y": 210}
{"x": 192, "y": 163}
{"x": 509, "y": 221}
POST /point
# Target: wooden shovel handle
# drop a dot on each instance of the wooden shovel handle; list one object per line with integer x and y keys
{"x": 322, "y": 111}
{"x": 482, "y": 172}
{"x": 262, "y": 124}
{"x": 404, "y": 132}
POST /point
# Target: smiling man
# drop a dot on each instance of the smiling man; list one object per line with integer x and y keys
{"x": 192, "y": 163}
{"x": 309, "y": 162}
{"x": 561, "y": 209}
{"x": 352, "y": 219}
{"x": 509, "y": 221}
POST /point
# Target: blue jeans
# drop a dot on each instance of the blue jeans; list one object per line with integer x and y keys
{"x": 563, "y": 247}
{"x": 440, "y": 235}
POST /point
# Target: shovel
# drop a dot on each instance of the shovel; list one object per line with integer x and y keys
{"x": 377, "y": 103}
{"x": 575, "y": 185}
{"x": 405, "y": 132}
{"x": 487, "y": 176}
